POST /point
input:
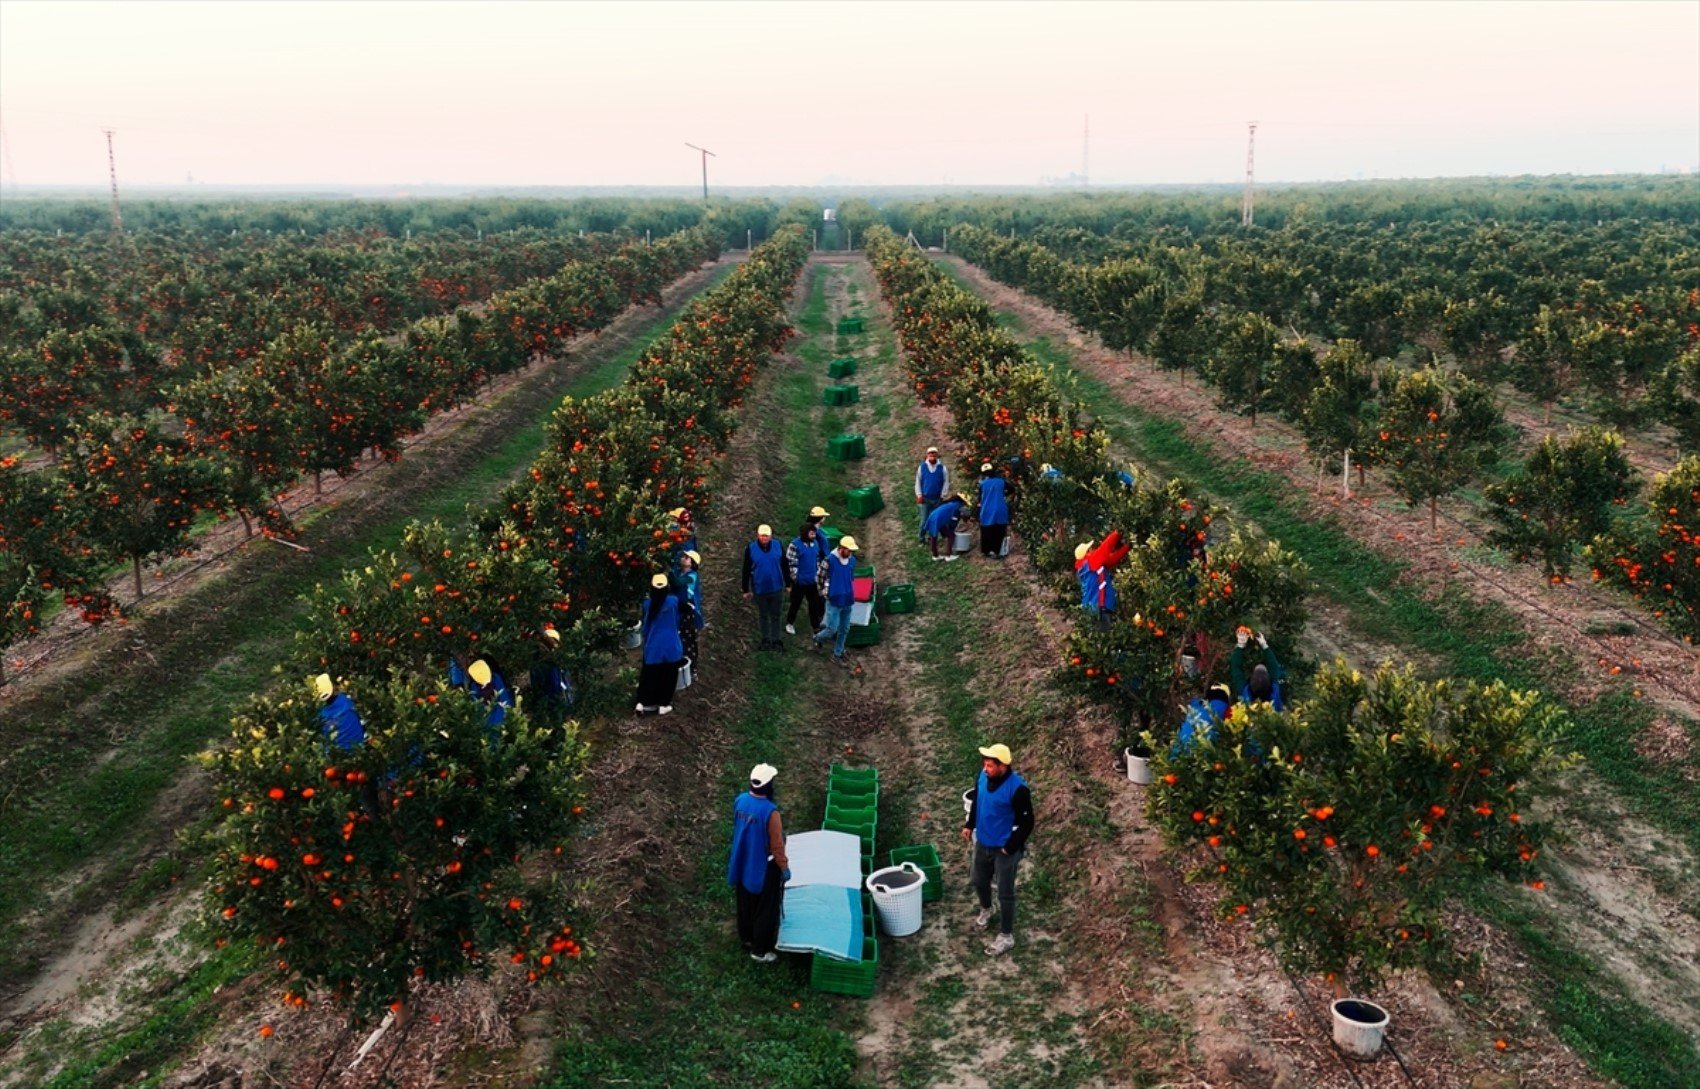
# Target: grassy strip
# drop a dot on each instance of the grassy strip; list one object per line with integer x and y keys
{"x": 709, "y": 1015}
{"x": 1474, "y": 641}
{"x": 71, "y": 811}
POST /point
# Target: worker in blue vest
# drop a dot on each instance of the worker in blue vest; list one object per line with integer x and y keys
{"x": 994, "y": 512}
{"x": 340, "y": 721}
{"x": 805, "y": 562}
{"x": 758, "y": 869}
{"x": 766, "y": 579}
{"x": 941, "y": 525}
{"x": 840, "y": 599}
{"x": 550, "y": 694}
{"x": 1000, "y": 820}
{"x": 1203, "y": 719}
{"x": 932, "y": 484}
{"x": 663, "y": 650}
{"x": 486, "y": 684}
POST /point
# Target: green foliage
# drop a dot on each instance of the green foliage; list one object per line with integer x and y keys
{"x": 1348, "y": 822}
{"x": 1436, "y": 435}
{"x": 1340, "y": 414}
{"x": 1560, "y": 498}
{"x": 363, "y": 870}
{"x": 1240, "y": 360}
{"x": 1657, "y": 557}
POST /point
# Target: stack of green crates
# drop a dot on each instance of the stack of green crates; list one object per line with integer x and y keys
{"x": 864, "y": 635}
{"x": 926, "y": 856}
{"x": 852, "y": 804}
{"x": 866, "y": 501}
{"x": 841, "y": 395}
{"x": 865, "y": 569}
{"x": 898, "y": 598}
{"x": 841, "y": 368}
{"x": 846, "y": 448}
{"x": 842, "y": 977}
{"x": 847, "y": 326}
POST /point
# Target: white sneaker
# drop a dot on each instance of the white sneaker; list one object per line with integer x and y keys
{"x": 984, "y": 919}
{"x": 667, "y": 710}
{"x": 952, "y": 558}
{"x": 790, "y": 629}
{"x": 769, "y": 958}
{"x": 638, "y": 708}
{"x": 940, "y": 559}
{"x": 1002, "y": 944}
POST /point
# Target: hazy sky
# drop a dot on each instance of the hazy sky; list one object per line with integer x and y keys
{"x": 875, "y": 93}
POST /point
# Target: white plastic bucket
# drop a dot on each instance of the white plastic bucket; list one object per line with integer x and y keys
{"x": 633, "y": 638}
{"x": 968, "y": 800}
{"x": 1138, "y": 768}
{"x": 685, "y": 677}
{"x": 1003, "y": 549}
{"x": 897, "y": 898}
{"x": 964, "y": 541}
{"x": 1358, "y": 1027}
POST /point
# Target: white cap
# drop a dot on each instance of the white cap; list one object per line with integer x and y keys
{"x": 762, "y": 774}
{"x": 764, "y": 530}
{"x": 986, "y": 467}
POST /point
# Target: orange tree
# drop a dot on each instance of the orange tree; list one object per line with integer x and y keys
{"x": 42, "y": 554}
{"x": 1657, "y": 557}
{"x": 403, "y": 859}
{"x": 1345, "y": 824}
{"x": 1437, "y": 435}
{"x": 1560, "y": 498}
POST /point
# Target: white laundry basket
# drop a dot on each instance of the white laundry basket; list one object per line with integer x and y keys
{"x": 897, "y": 898}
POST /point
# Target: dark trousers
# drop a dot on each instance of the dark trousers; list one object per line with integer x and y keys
{"x": 688, "y": 637}
{"x": 767, "y": 616}
{"x": 991, "y": 539}
{"x": 656, "y": 684}
{"x": 758, "y": 912}
{"x": 807, "y": 591}
{"x": 991, "y": 862}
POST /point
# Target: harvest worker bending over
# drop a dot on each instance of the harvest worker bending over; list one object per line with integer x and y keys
{"x": 1000, "y": 820}
{"x": 758, "y": 868}
{"x": 942, "y": 524}
{"x": 342, "y": 725}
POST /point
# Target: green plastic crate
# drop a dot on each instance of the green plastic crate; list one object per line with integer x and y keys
{"x": 844, "y": 773}
{"x": 853, "y": 791}
{"x": 831, "y": 533}
{"x": 866, "y": 501}
{"x": 898, "y": 598}
{"x": 841, "y": 368}
{"x": 841, "y": 977}
{"x": 847, "y": 326}
{"x": 862, "y": 811}
{"x": 865, "y": 569}
{"x": 841, "y": 395}
{"x": 846, "y": 448}
{"x": 864, "y": 635}
{"x": 864, "y": 830}
{"x": 926, "y": 856}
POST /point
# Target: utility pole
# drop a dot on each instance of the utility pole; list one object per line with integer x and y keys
{"x": 112, "y": 166}
{"x": 1250, "y": 144}
{"x": 1086, "y": 152}
{"x": 705, "y": 154}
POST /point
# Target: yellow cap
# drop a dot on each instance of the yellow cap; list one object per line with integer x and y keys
{"x": 676, "y": 512}
{"x": 818, "y": 512}
{"x": 848, "y": 543}
{"x": 694, "y": 556}
{"x": 659, "y": 582}
{"x": 323, "y": 687}
{"x": 1045, "y": 467}
{"x": 932, "y": 449}
{"x": 764, "y": 530}
{"x": 479, "y": 671}
{"x": 1081, "y": 550}
{"x": 1000, "y": 753}
{"x": 552, "y": 635}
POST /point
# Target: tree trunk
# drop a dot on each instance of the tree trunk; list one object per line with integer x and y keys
{"x": 2, "y": 671}
{"x": 1433, "y": 513}
{"x": 136, "y": 569}
{"x": 247, "y": 526}
{"x": 1546, "y": 413}
{"x": 318, "y": 482}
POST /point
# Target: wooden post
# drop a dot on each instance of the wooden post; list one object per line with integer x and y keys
{"x": 1346, "y": 474}
{"x": 947, "y": 239}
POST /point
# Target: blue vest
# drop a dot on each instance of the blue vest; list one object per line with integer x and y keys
{"x": 693, "y": 587}
{"x": 342, "y": 724}
{"x": 943, "y": 521}
{"x": 840, "y": 581}
{"x": 1088, "y": 588}
{"x": 661, "y": 643}
{"x": 1275, "y": 699}
{"x": 994, "y": 811}
{"x": 808, "y": 559}
{"x": 747, "y": 868}
{"x": 767, "y": 569}
{"x": 932, "y": 480}
{"x": 993, "y": 510}
{"x": 1201, "y": 722}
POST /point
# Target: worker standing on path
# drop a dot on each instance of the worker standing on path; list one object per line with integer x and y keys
{"x": 994, "y": 512}
{"x": 805, "y": 562}
{"x": 690, "y": 607}
{"x": 663, "y": 650}
{"x": 840, "y": 599}
{"x": 932, "y": 484}
{"x": 1000, "y": 820}
{"x": 765, "y": 579}
{"x": 758, "y": 868}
